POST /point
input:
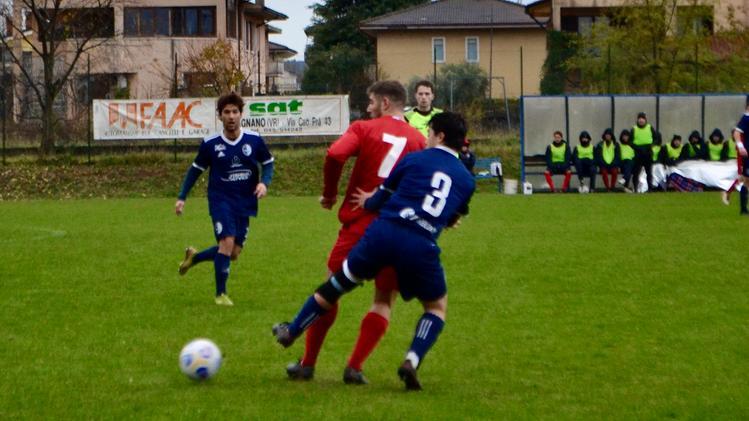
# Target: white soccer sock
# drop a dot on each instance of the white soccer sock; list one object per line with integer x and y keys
{"x": 411, "y": 356}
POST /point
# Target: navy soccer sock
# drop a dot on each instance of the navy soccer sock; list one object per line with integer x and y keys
{"x": 205, "y": 255}
{"x": 744, "y": 196}
{"x": 221, "y": 264}
{"x": 309, "y": 312}
{"x": 427, "y": 331}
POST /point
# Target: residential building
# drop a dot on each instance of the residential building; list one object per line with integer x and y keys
{"x": 280, "y": 81}
{"x": 146, "y": 47}
{"x": 496, "y": 35}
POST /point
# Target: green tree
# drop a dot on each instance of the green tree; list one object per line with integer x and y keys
{"x": 652, "y": 46}
{"x": 462, "y": 84}
{"x": 561, "y": 49}
{"x": 341, "y": 57}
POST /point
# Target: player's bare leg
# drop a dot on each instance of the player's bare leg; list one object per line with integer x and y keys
{"x": 427, "y": 331}
{"x": 373, "y": 328}
{"x": 235, "y": 252}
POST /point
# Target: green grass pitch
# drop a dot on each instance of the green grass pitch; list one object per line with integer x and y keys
{"x": 560, "y": 307}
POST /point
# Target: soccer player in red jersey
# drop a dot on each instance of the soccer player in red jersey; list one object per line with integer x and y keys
{"x": 378, "y": 144}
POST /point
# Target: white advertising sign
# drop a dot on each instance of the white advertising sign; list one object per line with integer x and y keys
{"x": 196, "y": 117}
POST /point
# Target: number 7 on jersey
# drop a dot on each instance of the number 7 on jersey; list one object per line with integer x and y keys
{"x": 388, "y": 162}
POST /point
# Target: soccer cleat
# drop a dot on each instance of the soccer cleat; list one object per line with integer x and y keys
{"x": 187, "y": 263}
{"x": 407, "y": 373}
{"x": 296, "y": 371}
{"x": 282, "y": 334}
{"x": 223, "y": 300}
{"x": 353, "y": 376}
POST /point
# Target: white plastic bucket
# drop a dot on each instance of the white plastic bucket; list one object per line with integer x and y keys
{"x": 511, "y": 186}
{"x": 527, "y": 188}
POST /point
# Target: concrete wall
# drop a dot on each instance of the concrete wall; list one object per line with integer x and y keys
{"x": 403, "y": 55}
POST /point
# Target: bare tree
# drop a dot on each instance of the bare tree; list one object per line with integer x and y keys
{"x": 214, "y": 69}
{"x": 58, "y": 33}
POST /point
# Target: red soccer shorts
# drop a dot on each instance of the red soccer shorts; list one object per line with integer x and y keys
{"x": 348, "y": 236}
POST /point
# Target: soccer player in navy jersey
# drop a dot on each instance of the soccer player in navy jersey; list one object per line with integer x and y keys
{"x": 742, "y": 146}
{"x": 426, "y": 192}
{"x": 377, "y": 145}
{"x": 234, "y": 187}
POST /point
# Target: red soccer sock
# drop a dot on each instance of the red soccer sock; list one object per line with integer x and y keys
{"x": 316, "y": 336}
{"x": 549, "y": 181}
{"x": 566, "y": 184}
{"x": 605, "y": 177}
{"x": 373, "y": 328}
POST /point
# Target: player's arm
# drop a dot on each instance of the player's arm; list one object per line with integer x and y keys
{"x": 374, "y": 200}
{"x": 339, "y": 152}
{"x": 454, "y": 221}
{"x": 193, "y": 173}
{"x": 267, "y": 170}
{"x": 462, "y": 211}
{"x": 371, "y": 200}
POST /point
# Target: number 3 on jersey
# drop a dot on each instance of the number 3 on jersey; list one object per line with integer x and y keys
{"x": 434, "y": 203}
{"x": 399, "y": 143}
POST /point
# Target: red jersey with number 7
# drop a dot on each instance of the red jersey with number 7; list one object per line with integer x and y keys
{"x": 378, "y": 145}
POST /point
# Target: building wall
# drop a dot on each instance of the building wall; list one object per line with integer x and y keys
{"x": 404, "y": 55}
{"x": 721, "y": 12}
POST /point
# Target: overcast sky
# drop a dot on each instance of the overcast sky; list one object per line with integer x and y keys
{"x": 300, "y": 16}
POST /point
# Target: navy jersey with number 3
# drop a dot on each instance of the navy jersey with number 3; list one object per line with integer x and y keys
{"x": 429, "y": 189}
{"x": 234, "y": 170}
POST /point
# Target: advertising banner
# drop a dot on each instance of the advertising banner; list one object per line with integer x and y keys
{"x": 296, "y": 115}
{"x": 196, "y": 117}
{"x": 154, "y": 118}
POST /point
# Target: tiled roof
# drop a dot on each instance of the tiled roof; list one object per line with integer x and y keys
{"x": 454, "y": 13}
{"x": 277, "y": 48}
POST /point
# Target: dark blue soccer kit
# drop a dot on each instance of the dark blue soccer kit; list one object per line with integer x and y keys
{"x": 232, "y": 181}
{"x": 426, "y": 192}
{"x": 235, "y": 166}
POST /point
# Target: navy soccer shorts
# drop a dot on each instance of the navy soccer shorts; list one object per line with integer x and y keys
{"x": 414, "y": 255}
{"x": 227, "y": 223}
{"x": 744, "y": 166}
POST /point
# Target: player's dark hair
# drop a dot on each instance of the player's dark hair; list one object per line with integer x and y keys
{"x": 453, "y": 126}
{"x": 559, "y": 133}
{"x": 390, "y": 89}
{"x": 424, "y": 83}
{"x": 229, "y": 99}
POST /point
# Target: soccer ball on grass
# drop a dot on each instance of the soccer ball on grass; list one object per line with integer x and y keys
{"x": 200, "y": 359}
